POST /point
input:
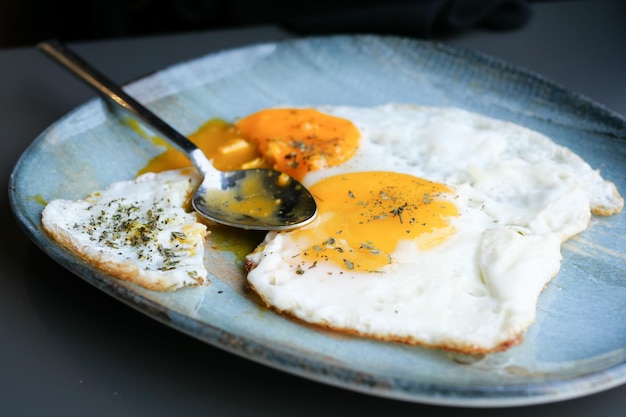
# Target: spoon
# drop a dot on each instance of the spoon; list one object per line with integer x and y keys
{"x": 257, "y": 199}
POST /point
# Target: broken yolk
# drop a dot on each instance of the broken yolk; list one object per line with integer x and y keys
{"x": 293, "y": 141}
{"x": 363, "y": 216}
{"x": 297, "y": 141}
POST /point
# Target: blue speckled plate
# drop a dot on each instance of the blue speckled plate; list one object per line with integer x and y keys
{"x": 576, "y": 347}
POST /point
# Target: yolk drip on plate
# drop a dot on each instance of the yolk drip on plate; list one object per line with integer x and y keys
{"x": 298, "y": 141}
{"x": 220, "y": 141}
{"x": 364, "y": 215}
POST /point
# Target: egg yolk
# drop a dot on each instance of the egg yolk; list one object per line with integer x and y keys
{"x": 297, "y": 141}
{"x": 363, "y": 217}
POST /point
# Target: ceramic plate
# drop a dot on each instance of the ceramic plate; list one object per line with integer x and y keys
{"x": 577, "y": 345}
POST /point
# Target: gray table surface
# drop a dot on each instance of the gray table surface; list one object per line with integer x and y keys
{"x": 67, "y": 349}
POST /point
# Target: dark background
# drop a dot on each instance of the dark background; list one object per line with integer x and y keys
{"x": 25, "y": 22}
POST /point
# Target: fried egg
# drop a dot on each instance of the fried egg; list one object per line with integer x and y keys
{"x": 138, "y": 230}
{"x": 441, "y": 227}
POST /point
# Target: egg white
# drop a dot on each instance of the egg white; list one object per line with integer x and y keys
{"x": 519, "y": 197}
{"x": 137, "y": 230}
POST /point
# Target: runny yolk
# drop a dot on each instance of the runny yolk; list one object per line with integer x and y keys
{"x": 297, "y": 141}
{"x": 363, "y": 217}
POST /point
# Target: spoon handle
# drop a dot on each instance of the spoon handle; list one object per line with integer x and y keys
{"x": 114, "y": 93}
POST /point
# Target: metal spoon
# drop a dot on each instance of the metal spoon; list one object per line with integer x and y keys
{"x": 258, "y": 199}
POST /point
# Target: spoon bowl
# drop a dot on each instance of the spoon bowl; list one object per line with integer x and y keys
{"x": 256, "y": 199}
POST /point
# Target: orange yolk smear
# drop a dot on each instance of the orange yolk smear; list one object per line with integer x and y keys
{"x": 363, "y": 217}
{"x": 297, "y": 141}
